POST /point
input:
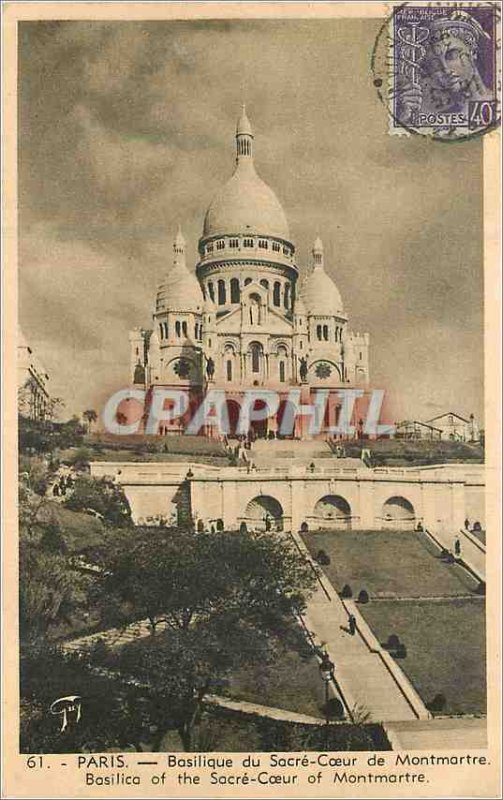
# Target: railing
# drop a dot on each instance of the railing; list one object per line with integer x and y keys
{"x": 309, "y": 561}
{"x": 473, "y": 539}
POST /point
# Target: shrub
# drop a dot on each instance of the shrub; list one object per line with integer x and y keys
{"x": 200, "y": 526}
{"x": 322, "y": 558}
{"x": 304, "y": 527}
{"x": 437, "y": 704}
{"x": 334, "y": 708}
{"x": 401, "y": 651}
{"x": 481, "y": 588}
{"x": 243, "y": 528}
{"x": 346, "y": 591}
{"x": 220, "y": 525}
{"x": 363, "y": 597}
{"x": 393, "y": 642}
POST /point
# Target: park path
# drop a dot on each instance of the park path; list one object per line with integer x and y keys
{"x": 473, "y": 552}
{"x": 366, "y": 674}
{"x": 112, "y": 637}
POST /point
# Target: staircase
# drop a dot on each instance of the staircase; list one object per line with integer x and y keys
{"x": 288, "y": 452}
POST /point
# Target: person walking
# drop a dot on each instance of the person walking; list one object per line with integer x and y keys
{"x": 352, "y": 624}
{"x": 457, "y": 547}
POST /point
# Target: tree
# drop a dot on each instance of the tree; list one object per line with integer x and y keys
{"x": 45, "y": 436}
{"x": 49, "y": 590}
{"x": 103, "y": 496}
{"x": 90, "y": 416}
{"x": 34, "y": 479}
{"x": 54, "y": 406}
{"x": 223, "y": 597}
{"x": 114, "y": 714}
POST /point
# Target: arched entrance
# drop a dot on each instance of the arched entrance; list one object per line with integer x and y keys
{"x": 258, "y": 427}
{"x": 264, "y": 513}
{"x": 332, "y": 512}
{"x": 233, "y": 410}
{"x": 398, "y": 514}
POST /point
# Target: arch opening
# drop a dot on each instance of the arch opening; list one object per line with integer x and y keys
{"x": 332, "y": 512}
{"x": 398, "y": 514}
{"x": 233, "y": 411}
{"x": 264, "y": 513}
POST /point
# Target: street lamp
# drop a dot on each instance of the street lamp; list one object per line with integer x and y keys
{"x": 327, "y": 673}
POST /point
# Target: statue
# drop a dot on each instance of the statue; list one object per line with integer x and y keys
{"x": 210, "y": 368}
{"x": 303, "y": 368}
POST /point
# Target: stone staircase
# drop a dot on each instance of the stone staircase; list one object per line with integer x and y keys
{"x": 365, "y": 677}
{"x": 279, "y": 452}
{"x": 112, "y": 637}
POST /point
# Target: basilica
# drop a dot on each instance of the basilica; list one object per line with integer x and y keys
{"x": 244, "y": 318}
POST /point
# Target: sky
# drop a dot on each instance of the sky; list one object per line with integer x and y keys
{"x": 126, "y": 129}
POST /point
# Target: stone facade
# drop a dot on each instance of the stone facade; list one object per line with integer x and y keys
{"x": 244, "y": 319}
{"x": 326, "y": 497}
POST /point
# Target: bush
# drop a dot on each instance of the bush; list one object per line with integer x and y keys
{"x": 363, "y": 597}
{"x": 322, "y": 558}
{"x": 481, "y": 588}
{"x": 243, "y": 528}
{"x": 334, "y": 709}
{"x": 80, "y": 458}
{"x": 393, "y": 642}
{"x": 437, "y": 704}
{"x": 304, "y": 527}
{"x": 200, "y": 526}
{"x": 102, "y": 496}
{"x": 220, "y": 525}
{"x": 347, "y": 592}
{"x": 401, "y": 651}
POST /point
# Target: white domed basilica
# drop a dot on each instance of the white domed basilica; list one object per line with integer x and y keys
{"x": 244, "y": 319}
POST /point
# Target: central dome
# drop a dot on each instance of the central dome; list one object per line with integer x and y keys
{"x": 245, "y": 204}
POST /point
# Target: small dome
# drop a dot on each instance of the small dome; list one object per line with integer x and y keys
{"x": 320, "y": 294}
{"x": 245, "y": 205}
{"x": 180, "y": 292}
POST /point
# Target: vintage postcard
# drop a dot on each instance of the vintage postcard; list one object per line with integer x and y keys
{"x": 251, "y": 399}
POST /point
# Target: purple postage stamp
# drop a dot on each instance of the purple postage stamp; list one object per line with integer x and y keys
{"x": 442, "y": 64}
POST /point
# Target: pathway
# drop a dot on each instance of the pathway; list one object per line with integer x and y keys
{"x": 443, "y": 733}
{"x": 366, "y": 677}
{"x": 473, "y": 552}
{"x": 112, "y": 637}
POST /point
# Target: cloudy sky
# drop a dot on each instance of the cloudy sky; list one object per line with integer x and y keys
{"x": 126, "y": 129}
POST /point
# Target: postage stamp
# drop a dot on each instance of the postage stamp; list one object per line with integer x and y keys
{"x": 442, "y": 69}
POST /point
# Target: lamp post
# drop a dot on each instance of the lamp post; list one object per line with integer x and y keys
{"x": 327, "y": 674}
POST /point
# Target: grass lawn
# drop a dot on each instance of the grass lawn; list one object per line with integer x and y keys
{"x": 407, "y": 453}
{"x": 445, "y": 643}
{"x": 80, "y": 531}
{"x": 388, "y": 564}
{"x": 217, "y": 460}
{"x": 291, "y": 681}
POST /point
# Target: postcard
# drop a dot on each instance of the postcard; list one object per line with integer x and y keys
{"x": 252, "y": 407}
